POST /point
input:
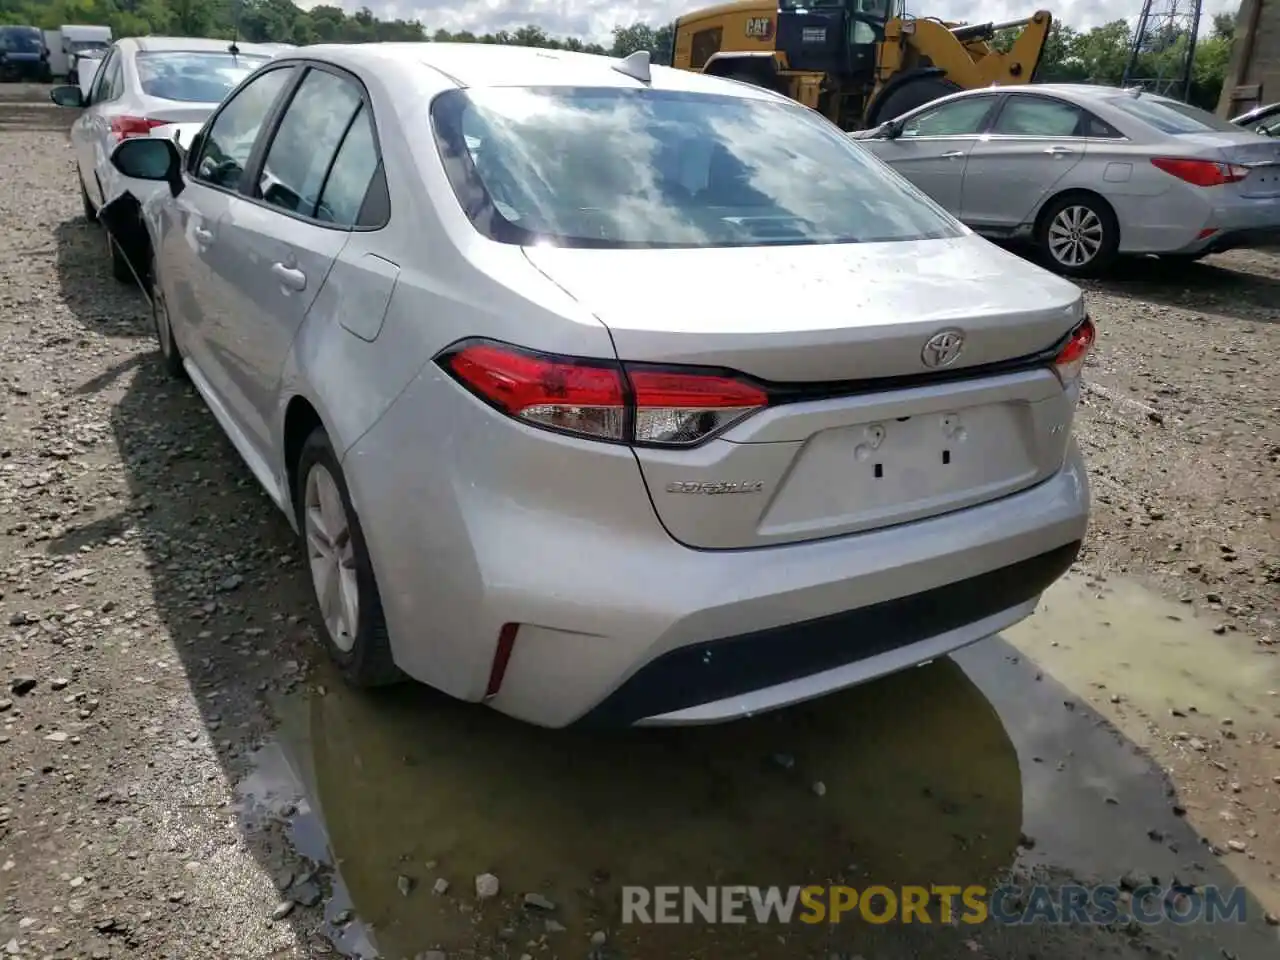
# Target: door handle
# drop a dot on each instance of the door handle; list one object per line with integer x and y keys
{"x": 953, "y": 154}
{"x": 1058, "y": 151}
{"x": 290, "y": 277}
{"x": 202, "y": 235}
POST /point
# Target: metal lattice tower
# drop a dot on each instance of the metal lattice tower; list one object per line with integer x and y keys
{"x": 1164, "y": 47}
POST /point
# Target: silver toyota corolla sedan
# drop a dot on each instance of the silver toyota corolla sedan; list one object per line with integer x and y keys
{"x": 1088, "y": 173}
{"x": 608, "y": 394}
{"x": 144, "y": 84}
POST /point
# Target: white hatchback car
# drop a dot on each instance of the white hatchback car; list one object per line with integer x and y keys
{"x": 608, "y": 393}
{"x": 142, "y": 84}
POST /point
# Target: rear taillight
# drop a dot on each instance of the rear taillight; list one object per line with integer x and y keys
{"x": 1070, "y": 359}
{"x": 122, "y": 128}
{"x": 603, "y": 400}
{"x": 1201, "y": 173}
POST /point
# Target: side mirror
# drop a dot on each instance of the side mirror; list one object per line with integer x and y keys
{"x": 145, "y": 158}
{"x": 67, "y": 95}
{"x": 890, "y": 129}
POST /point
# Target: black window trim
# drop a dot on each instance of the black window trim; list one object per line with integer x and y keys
{"x": 267, "y": 136}
{"x": 1008, "y": 95}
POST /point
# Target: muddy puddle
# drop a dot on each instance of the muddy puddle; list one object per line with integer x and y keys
{"x": 952, "y": 773}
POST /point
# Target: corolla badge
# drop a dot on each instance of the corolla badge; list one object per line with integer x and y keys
{"x": 942, "y": 348}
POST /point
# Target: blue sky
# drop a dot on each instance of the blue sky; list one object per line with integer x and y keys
{"x": 595, "y": 19}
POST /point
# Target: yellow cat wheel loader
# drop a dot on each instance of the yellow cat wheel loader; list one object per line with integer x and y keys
{"x": 858, "y": 62}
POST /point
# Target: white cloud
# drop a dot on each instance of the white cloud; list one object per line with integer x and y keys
{"x": 595, "y": 19}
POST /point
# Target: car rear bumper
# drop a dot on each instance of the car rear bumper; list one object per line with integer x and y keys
{"x": 1240, "y": 237}
{"x": 735, "y": 676}
{"x": 617, "y": 623}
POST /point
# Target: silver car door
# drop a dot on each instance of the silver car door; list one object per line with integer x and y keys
{"x": 933, "y": 144}
{"x": 1033, "y": 143}
{"x": 195, "y": 265}
{"x": 282, "y": 237}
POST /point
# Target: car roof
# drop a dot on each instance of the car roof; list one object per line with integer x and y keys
{"x": 193, "y": 45}
{"x": 497, "y": 65}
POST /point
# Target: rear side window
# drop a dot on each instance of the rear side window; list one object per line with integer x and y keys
{"x": 1037, "y": 117}
{"x": 1169, "y": 116}
{"x": 231, "y": 136}
{"x": 192, "y": 76}
{"x": 349, "y": 178}
{"x": 959, "y": 118}
{"x": 615, "y": 167}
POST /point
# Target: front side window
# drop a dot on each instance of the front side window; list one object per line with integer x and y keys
{"x": 1169, "y": 116}
{"x": 306, "y": 142}
{"x": 192, "y": 76}
{"x": 21, "y": 40}
{"x": 352, "y": 172}
{"x": 646, "y": 168}
{"x": 229, "y": 140}
{"x": 958, "y": 118}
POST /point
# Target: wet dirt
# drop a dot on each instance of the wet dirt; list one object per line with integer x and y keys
{"x": 963, "y": 771}
{"x": 1197, "y": 700}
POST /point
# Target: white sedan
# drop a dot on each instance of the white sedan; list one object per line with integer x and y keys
{"x": 142, "y": 84}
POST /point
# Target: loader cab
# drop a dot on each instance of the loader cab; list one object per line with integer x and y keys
{"x": 834, "y": 36}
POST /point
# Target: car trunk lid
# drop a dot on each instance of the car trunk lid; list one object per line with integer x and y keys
{"x": 860, "y": 432}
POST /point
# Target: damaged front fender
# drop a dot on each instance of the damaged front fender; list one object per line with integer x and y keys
{"x": 124, "y": 221}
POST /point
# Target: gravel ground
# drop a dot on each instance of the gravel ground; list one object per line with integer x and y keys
{"x": 153, "y": 633}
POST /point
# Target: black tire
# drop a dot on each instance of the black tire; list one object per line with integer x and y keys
{"x": 170, "y": 352}
{"x": 90, "y": 211}
{"x": 369, "y": 662}
{"x": 914, "y": 93}
{"x": 1092, "y": 211}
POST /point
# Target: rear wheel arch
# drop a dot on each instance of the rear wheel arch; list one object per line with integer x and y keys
{"x": 300, "y": 420}
{"x": 1097, "y": 202}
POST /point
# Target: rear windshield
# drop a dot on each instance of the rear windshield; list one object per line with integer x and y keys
{"x": 22, "y": 40}
{"x": 615, "y": 167}
{"x": 193, "y": 77}
{"x": 1170, "y": 116}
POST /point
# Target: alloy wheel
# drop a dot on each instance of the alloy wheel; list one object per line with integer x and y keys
{"x": 331, "y": 555}
{"x": 1075, "y": 236}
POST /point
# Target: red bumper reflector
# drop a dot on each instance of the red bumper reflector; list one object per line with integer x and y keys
{"x": 501, "y": 657}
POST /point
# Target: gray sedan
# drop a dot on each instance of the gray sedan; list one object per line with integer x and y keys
{"x": 1089, "y": 172}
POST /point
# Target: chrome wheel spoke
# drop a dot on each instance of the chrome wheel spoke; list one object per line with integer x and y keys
{"x": 332, "y": 555}
{"x": 1075, "y": 236}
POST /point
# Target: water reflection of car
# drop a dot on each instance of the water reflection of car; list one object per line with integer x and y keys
{"x": 145, "y": 83}
{"x": 23, "y": 54}
{"x": 613, "y": 394}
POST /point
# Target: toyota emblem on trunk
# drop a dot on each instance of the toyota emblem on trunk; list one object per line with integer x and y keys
{"x": 942, "y": 348}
